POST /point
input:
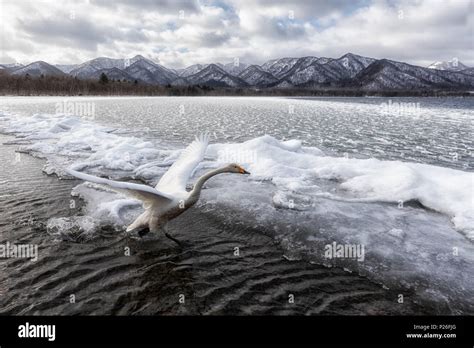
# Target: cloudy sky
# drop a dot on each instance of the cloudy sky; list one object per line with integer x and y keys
{"x": 178, "y": 33}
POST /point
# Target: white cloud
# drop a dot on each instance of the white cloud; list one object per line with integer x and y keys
{"x": 418, "y": 32}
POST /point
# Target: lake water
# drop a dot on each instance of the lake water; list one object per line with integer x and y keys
{"x": 390, "y": 175}
{"x": 426, "y": 130}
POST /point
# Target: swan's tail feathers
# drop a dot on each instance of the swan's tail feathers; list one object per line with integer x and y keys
{"x": 148, "y": 195}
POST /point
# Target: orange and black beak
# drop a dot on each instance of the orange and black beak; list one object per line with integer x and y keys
{"x": 243, "y": 171}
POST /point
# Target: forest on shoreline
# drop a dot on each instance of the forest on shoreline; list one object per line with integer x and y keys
{"x": 13, "y": 85}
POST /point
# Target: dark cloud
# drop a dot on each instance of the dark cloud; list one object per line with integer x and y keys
{"x": 132, "y": 35}
{"x": 213, "y": 39}
{"x": 79, "y": 33}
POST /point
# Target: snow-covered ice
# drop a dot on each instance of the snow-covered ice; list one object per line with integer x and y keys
{"x": 415, "y": 221}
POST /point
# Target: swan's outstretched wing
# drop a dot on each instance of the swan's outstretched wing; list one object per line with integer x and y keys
{"x": 145, "y": 193}
{"x": 176, "y": 178}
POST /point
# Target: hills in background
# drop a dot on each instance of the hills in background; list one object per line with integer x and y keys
{"x": 350, "y": 71}
{"x": 452, "y": 65}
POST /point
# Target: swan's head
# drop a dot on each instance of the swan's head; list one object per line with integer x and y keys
{"x": 235, "y": 168}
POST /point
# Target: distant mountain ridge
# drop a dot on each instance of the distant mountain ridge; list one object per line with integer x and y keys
{"x": 37, "y": 69}
{"x": 451, "y": 65}
{"x": 348, "y": 71}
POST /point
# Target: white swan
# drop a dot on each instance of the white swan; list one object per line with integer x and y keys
{"x": 169, "y": 198}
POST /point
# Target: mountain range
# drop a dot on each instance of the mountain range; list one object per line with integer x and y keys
{"x": 452, "y": 65}
{"x": 348, "y": 71}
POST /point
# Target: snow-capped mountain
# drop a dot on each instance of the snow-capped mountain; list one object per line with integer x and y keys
{"x": 12, "y": 66}
{"x": 254, "y": 75}
{"x": 191, "y": 70}
{"x": 323, "y": 60}
{"x": 105, "y": 63}
{"x": 37, "y": 69}
{"x": 310, "y": 71}
{"x": 314, "y": 74}
{"x": 214, "y": 75}
{"x": 347, "y": 71}
{"x": 279, "y": 67}
{"x": 451, "y": 65}
{"x": 235, "y": 69}
{"x": 231, "y": 68}
{"x": 136, "y": 68}
{"x": 352, "y": 63}
{"x": 89, "y": 68}
{"x": 84, "y": 71}
{"x": 302, "y": 63}
{"x": 385, "y": 74}
{"x": 149, "y": 72}
{"x": 66, "y": 68}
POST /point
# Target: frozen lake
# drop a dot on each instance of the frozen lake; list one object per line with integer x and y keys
{"x": 426, "y": 130}
{"x": 390, "y": 176}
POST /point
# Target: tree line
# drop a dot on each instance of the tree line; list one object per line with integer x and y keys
{"x": 72, "y": 86}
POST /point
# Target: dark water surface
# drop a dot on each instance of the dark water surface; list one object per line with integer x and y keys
{"x": 157, "y": 273}
{"x": 103, "y": 279}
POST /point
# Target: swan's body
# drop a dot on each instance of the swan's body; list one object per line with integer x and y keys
{"x": 169, "y": 198}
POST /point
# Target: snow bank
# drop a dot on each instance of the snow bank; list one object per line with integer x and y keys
{"x": 292, "y": 167}
{"x": 59, "y": 137}
{"x": 287, "y": 164}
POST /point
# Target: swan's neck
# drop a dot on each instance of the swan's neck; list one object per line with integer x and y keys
{"x": 196, "y": 191}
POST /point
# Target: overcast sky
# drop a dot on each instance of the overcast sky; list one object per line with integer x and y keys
{"x": 178, "y": 33}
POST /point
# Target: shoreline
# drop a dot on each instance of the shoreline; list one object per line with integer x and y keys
{"x": 69, "y": 86}
{"x": 228, "y": 235}
{"x": 206, "y": 271}
{"x": 387, "y": 94}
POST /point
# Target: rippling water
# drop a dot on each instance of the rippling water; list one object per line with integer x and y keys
{"x": 149, "y": 281}
{"x": 213, "y": 280}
